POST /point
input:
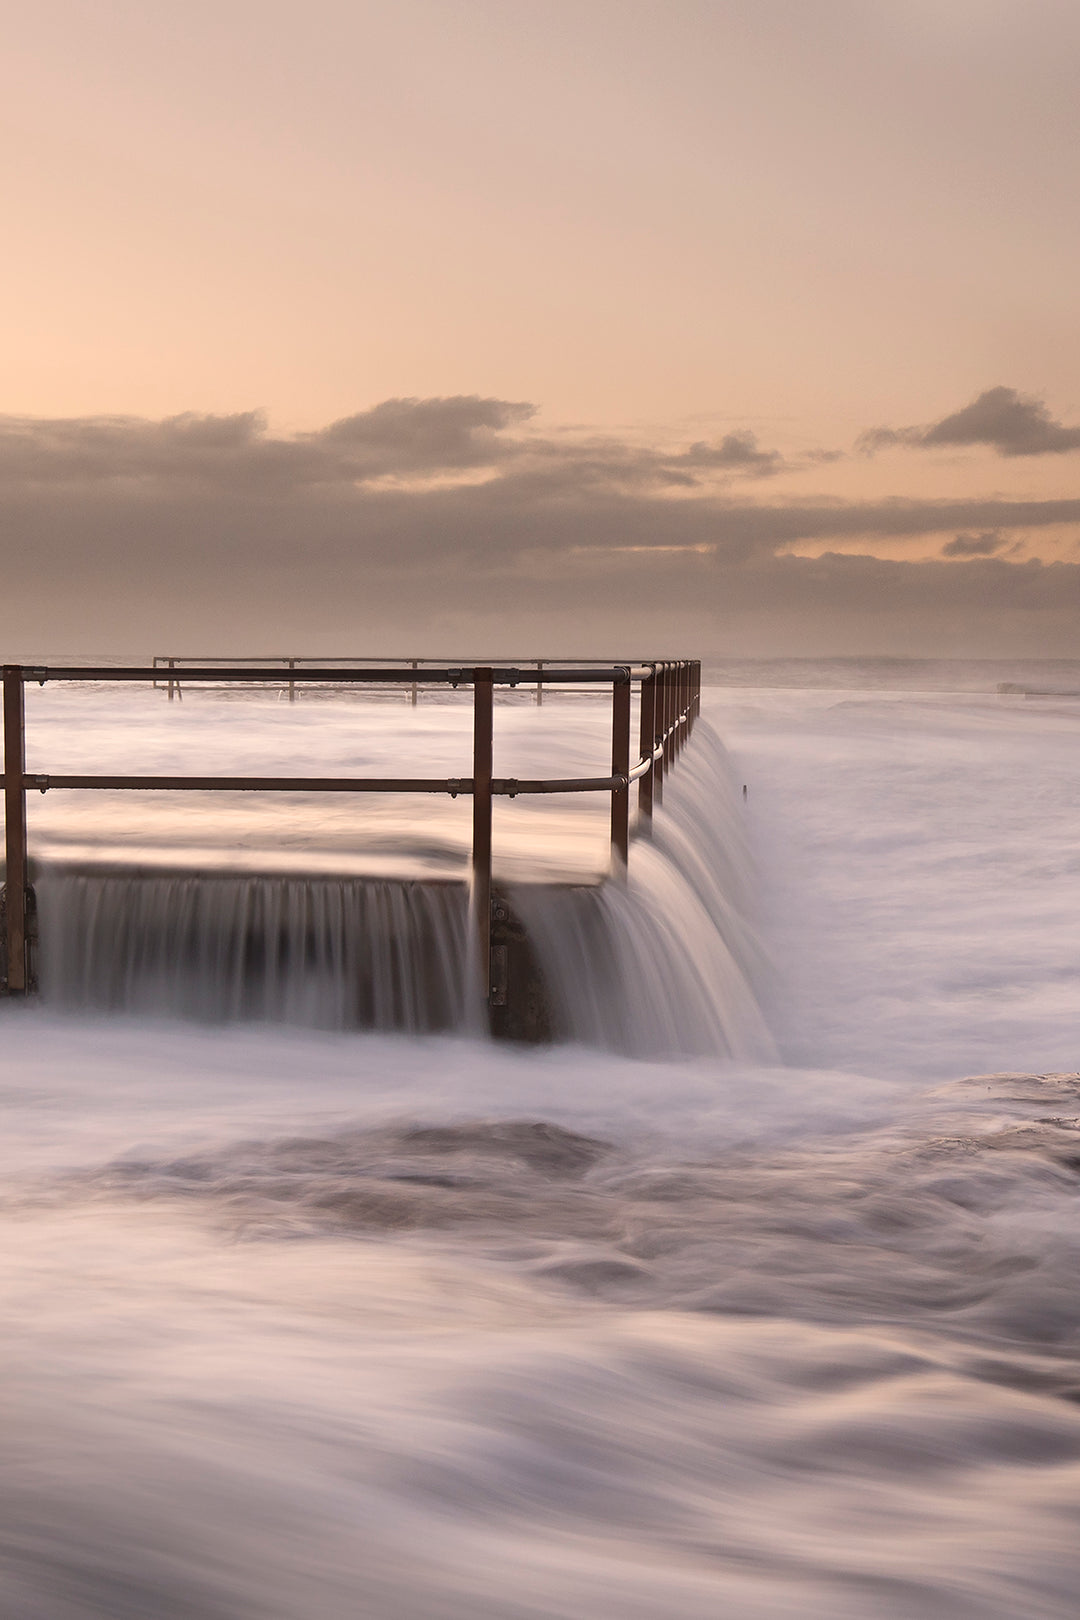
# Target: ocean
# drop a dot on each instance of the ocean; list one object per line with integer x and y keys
{"x": 754, "y": 1294}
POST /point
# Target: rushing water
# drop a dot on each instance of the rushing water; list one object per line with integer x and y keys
{"x": 668, "y": 962}
{"x": 330, "y": 953}
{"x": 303, "y": 1322}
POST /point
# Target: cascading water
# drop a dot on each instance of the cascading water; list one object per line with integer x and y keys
{"x": 667, "y": 962}
{"x": 432, "y": 1328}
{"x": 325, "y": 953}
{"x": 664, "y": 963}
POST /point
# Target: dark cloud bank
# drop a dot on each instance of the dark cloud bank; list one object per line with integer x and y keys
{"x": 1012, "y": 424}
{"x": 976, "y": 545}
{"x": 435, "y": 526}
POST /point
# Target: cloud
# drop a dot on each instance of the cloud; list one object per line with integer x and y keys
{"x": 1011, "y": 423}
{"x": 404, "y": 439}
{"x": 123, "y": 533}
{"x": 974, "y": 545}
{"x": 424, "y": 435}
{"x": 735, "y": 450}
{"x": 80, "y": 449}
{"x": 400, "y": 436}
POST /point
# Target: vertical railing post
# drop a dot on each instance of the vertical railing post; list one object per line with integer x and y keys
{"x": 15, "y": 829}
{"x": 660, "y": 708}
{"x": 292, "y": 684}
{"x": 483, "y": 717}
{"x": 646, "y": 745}
{"x": 673, "y": 712}
{"x": 676, "y": 710}
{"x": 620, "y": 767}
{"x": 414, "y": 689}
{"x": 172, "y": 663}
{"x": 539, "y": 686}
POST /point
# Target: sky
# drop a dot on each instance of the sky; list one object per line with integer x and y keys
{"x": 566, "y": 327}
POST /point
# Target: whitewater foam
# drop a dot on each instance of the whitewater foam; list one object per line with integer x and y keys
{"x": 421, "y": 1327}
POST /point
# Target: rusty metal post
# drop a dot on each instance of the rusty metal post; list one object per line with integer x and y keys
{"x": 620, "y": 766}
{"x": 676, "y": 710}
{"x": 669, "y": 719}
{"x": 483, "y": 725}
{"x": 669, "y": 716}
{"x": 15, "y": 829}
{"x": 539, "y": 686}
{"x": 413, "y": 690}
{"x": 660, "y": 708}
{"x": 646, "y": 744}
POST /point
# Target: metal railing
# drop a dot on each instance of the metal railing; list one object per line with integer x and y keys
{"x": 670, "y": 696}
{"x": 170, "y": 670}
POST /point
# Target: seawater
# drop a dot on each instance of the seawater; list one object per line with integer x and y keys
{"x": 305, "y": 1322}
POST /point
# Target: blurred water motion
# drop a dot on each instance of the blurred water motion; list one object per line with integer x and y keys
{"x": 304, "y": 1323}
{"x": 167, "y": 921}
{"x": 116, "y": 730}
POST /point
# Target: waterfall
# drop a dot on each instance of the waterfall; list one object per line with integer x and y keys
{"x": 340, "y": 953}
{"x": 667, "y": 962}
{"x": 663, "y": 963}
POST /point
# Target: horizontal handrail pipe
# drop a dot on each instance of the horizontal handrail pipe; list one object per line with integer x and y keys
{"x": 376, "y": 675}
{"x": 509, "y": 787}
{"x": 537, "y": 666}
{"x": 254, "y": 784}
{"x": 669, "y": 701}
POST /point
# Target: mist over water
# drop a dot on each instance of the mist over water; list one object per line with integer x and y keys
{"x": 756, "y": 1299}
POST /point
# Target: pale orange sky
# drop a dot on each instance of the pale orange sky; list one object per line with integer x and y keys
{"x": 658, "y": 223}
